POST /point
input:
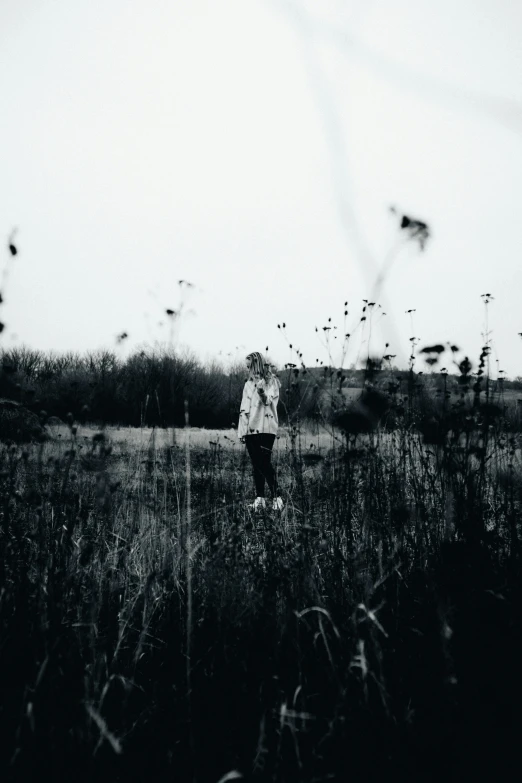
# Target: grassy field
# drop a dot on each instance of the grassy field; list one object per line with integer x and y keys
{"x": 133, "y": 437}
{"x": 154, "y": 628}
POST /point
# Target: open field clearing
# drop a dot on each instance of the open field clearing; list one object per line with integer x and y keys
{"x": 153, "y": 626}
{"x": 142, "y": 438}
{"x": 132, "y": 442}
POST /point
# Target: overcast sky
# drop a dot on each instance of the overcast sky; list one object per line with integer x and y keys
{"x": 254, "y": 148}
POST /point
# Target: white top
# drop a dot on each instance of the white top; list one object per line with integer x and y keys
{"x": 258, "y": 413}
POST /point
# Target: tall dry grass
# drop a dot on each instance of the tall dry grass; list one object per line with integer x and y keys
{"x": 152, "y": 627}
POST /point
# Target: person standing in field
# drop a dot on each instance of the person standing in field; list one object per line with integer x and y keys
{"x": 258, "y": 424}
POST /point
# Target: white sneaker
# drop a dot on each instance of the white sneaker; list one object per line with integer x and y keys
{"x": 277, "y": 504}
{"x": 258, "y": 504}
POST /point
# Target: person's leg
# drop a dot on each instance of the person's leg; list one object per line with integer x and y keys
{"x": 253, "y": 444}
{"x": 267, "y": 444}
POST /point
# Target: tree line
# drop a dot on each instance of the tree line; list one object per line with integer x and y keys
{"x": 149, "y": 387}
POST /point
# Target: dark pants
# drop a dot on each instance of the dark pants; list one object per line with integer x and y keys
{"x": 259, "y": 448}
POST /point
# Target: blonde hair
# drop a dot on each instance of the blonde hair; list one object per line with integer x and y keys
{"x": 260, "y": 368}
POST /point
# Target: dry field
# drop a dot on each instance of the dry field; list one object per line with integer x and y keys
{"x": 142, "y": 438}
{"x": 153, "y": 628}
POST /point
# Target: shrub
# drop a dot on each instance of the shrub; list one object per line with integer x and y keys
{"x": 19, "y": 425}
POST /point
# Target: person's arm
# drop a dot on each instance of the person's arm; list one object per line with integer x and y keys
{"x": 268, "y": 391}
{"x": 242, "y": 426}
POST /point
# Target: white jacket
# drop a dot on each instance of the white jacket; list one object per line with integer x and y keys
{"x": 258, "y": 413}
